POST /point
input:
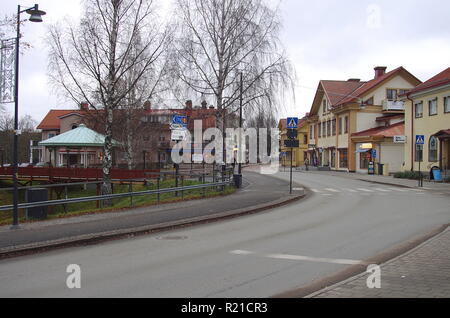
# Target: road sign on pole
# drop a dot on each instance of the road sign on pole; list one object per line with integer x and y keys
{"x": 420, "y": 140}
{"x": 178, "y": 120}
{"x": 292, "y": 123}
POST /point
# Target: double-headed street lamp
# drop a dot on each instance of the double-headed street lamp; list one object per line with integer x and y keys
{"x": 35, "y": 16}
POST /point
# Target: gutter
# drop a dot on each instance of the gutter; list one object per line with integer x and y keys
{"x": 412, "y": 131}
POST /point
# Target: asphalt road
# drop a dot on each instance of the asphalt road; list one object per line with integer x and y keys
{"x": 342, "y": 222}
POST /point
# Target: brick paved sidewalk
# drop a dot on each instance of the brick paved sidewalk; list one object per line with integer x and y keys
{"x": 423, "y": 272}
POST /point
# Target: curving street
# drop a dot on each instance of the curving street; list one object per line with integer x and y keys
{"x": 340, "y": 223}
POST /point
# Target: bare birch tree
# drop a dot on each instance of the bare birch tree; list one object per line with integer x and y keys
{"x": 219, "y": 39}
{"x": 92, "y": 61}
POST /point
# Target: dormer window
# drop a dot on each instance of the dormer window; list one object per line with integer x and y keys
{"x": 392, "y": 94}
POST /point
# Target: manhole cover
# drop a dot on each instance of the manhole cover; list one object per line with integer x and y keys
{"x": 172, "y": 238}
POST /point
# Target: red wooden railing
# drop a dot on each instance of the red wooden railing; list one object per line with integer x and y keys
{"x": 78, "y": 173}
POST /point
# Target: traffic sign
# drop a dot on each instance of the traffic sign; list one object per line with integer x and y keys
{"x": 292, "y": 133}
{"x": 178, "y": 120}
{"x": 292, "y": 123}
{"x": 374, "y": 154}
{"x": 292, "y": 143}
{"x": 420, "y": 140}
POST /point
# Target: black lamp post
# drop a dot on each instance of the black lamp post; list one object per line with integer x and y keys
{"x": 35, "y": 16}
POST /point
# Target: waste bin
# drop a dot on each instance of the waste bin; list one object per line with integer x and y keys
{"x": 237, "y": 178}
{"x": 436, "y": 174}
{"x": 36, "y": 195}
{"x": 380, "y": 169}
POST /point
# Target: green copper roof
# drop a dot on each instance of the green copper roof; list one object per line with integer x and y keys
{"x": 78, "y": 137}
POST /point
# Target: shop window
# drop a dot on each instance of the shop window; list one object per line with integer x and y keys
{"x": 364, "y": 159}
{"x": 343, "y": 158}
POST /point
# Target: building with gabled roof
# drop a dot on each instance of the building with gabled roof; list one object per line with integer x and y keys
{"x": 342, "y": 109}
{"x": 428, "y": 114}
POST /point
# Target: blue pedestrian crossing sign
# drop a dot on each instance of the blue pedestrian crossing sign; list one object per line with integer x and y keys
{"x": 292, "y": 123}
{"x": 420, "y": 140}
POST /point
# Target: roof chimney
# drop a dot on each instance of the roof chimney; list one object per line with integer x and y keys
{"x": 84, "y": 106}
{"x": 189, "y": 104}
{"x": 380, "y": 71}
{"x": 148, "y": 105}
{"x": 204, "y": 104}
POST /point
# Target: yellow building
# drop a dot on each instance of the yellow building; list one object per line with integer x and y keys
{"x": 347, "y": 115}
{"x": 428, "y": 114}
{"x": 299, "y": 154}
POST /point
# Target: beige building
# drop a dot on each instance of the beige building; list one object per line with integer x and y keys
{"x": 342, "y": 110}
{"x": 428, "y": 115}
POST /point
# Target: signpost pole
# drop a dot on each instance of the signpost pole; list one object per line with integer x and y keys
{"x": 290, "y": 183}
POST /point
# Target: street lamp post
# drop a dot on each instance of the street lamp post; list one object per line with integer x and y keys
{"x": 35, "y": 16}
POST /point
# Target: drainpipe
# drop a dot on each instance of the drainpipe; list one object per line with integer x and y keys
{"x": 412, "y": 131}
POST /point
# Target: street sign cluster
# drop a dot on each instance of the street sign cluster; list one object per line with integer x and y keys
{"x": 179, "y": 127}
{"x": 292, "y": 126}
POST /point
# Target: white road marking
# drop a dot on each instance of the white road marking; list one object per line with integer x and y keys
{"x": 398, "y": 189}
{"x": 240, "y": 252}
{"x": 350, "y": 190}
{"x": 382, "y": 190}
{"x": 332, "y": 190}
{"x": 301, "y": 258}
{"x": 315, "y": 190}
{"x": 365, "y": 190}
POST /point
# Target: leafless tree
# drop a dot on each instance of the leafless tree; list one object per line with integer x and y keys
{"x": 27, "y": 124}
{"x": 93, "y": 61}
{"x": 217, "y": 40}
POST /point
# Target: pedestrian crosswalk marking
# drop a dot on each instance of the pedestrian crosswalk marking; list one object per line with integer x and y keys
{"x": 382, "y": 190}
{"x": 364, "y": 191}
{"x": 398, "y": 189}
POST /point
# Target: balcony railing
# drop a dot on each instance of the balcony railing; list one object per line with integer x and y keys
{"x": 393, "y": 105}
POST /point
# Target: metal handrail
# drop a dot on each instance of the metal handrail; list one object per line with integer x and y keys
{"x": 112, "y": 196}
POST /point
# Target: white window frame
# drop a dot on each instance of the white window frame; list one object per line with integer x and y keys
{"x": 435, "y": 101}
{"x": 447, "y": 104}
{"x": 415, "y": 109}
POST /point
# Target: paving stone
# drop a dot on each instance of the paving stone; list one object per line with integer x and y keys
{"x": 422, "y": 273}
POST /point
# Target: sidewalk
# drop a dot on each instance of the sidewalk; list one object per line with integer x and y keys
{"x": 257, "y": 194}
{"x": 430, "y": 186}
{"x": 424, "y": 272}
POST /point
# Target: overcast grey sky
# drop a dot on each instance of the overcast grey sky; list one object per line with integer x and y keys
{"x": 328, "y": 39}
